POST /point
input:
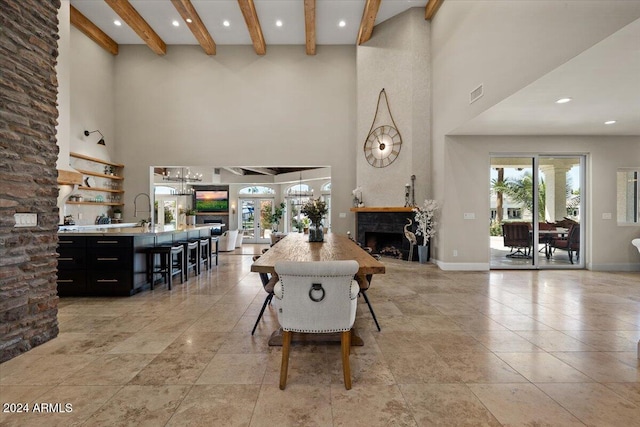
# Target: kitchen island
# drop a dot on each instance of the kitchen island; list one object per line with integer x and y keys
{"x": 110, "y": 260}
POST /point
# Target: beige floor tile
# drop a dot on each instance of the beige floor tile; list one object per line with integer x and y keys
{"x": 522, "y": 405}
{"x": 446, "y": 405}
{"x": 481, "y": 368}
{"x": 145, "y": 343}
{"x": 192, "y": 341}
{"x": 110, "y": 369}
{"x": 48, "y": 370}
{"x": 630, "y": 391}
{"x": 594, "y": 404}
{"x": 503, "y": 341}
{"x": 82, "y": 343}
{"x": 520, "y": 322}
{"x": 370, "y": 406}
{"x": 296, "y": 405}
{"x": 600, "y": 366}
{"x": 604, "y": 340}
{"x": 140, "y": 406}
{"x": 423, "y": 367}
{"x": 173, "y": 368}
{"x": 304, "y": 367}
{"x": 554, "y": 341}
{"x": 217, "y": 405}
{"x": 541, "y": 367}
{"x": 366, "y": 368}
{"x": 235, "y": 369}
{"x": 432, "y": 323}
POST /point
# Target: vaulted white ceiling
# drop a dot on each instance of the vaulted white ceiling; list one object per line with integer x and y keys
{"x": 161, "y": 13}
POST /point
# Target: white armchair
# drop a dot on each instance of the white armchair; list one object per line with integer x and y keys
{"x": 239, "y": 238}
{"x": 316, "y": 297}
{"x": 636, "y": 243}
{"x": 227, "y": 241}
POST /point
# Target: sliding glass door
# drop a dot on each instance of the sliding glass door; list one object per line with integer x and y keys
{"x": 536, "y": 212}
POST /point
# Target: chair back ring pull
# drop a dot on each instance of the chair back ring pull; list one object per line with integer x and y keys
{"x": 316, "y": 287}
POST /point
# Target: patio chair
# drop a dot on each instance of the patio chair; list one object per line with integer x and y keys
{"x": 571, "y": 243}
{"x": 517, "y": 235}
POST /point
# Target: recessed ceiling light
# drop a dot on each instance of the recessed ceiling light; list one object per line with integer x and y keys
{"x": 117, "y": 23}
{"x": 226, "y": 23}
{"x": 176, "y": 23}
{"x": 278, "y": 23}
{"x": 563, "y": 100}
{"x": 341, "y": 24}
{"x": 189, "y": 20}
{"x": 610, "y": 122}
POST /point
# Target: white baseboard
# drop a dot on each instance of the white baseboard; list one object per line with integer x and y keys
{"x": 614, "y": 267}
{"x": 463, "y": 266}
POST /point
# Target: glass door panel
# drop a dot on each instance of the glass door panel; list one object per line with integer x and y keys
{"x": 513, "y": 207}
{"x": 255, "y": 220}
{"x": 561, "y": 208}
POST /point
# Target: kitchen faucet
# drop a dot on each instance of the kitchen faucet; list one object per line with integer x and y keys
{"x": 135, "y": 206}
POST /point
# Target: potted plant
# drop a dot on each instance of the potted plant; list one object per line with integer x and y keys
{"x": 276, "y": 216}
{"x": 425, "y": 217}
{"x": 191, "y": 216}
{"x": 315, "y": 210}
{"x": 117, "y": 213}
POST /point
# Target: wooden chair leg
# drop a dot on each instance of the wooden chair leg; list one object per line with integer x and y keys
{"x": 284, "y": 367}
{"x": 346, "y": 368}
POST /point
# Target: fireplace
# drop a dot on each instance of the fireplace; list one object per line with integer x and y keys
{"x": 382, "y": 230}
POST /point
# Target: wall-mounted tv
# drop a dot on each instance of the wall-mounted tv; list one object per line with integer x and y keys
{"x": 212, "y": 200}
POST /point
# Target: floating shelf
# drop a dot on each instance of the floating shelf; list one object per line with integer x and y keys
{"x": 105, "y": 190}
{"x": 93, "y": 159}
{"x": 98, "y": 174}
{"x": 96, "y": 203}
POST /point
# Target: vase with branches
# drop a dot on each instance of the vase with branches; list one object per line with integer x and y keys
{"x": 425, "y": 217}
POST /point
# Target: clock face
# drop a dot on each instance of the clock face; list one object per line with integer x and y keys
{"x": 382, "y": 146}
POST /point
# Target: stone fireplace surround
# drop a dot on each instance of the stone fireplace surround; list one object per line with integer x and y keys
{"x": 382, "y": 229}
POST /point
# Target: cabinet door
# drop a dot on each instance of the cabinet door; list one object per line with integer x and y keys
{"x": 72, "y": 282}
{"x": 110, "y": 258}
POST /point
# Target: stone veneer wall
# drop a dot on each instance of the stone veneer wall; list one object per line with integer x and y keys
{"x": 28, "y": 154}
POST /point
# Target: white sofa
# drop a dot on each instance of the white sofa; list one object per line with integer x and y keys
{"x": 228, "y": 240}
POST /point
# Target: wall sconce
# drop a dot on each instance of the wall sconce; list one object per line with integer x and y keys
{"x": 101, "y": 142}
{"x": 233, "y": 209}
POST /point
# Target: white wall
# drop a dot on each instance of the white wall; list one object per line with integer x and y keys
{"x": 396, "y": 58}
{"x": 237, "y": 108}
{"x": 505, "y": 46}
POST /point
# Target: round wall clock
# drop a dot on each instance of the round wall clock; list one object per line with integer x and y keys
{"x": 382, "y": 146}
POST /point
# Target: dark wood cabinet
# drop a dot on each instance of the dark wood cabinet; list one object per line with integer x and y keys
{"x": 109, "y": 264}
{"x": 102, "y": 266}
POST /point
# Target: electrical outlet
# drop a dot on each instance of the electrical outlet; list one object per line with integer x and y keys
{"x": 26, "y": 219}
{"x": 455, "y": 252}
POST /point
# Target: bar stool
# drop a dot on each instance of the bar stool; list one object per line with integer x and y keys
{"x": 204, "y": 247}
{"x": 171, "y": 263}
{"x": 191, "y": 256}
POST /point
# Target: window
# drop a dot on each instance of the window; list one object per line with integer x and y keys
{"x": 256, "y": 189}
{"x": 628, "y": 196}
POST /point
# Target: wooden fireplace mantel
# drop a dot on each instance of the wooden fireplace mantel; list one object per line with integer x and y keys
{"x": 382, "y": 209}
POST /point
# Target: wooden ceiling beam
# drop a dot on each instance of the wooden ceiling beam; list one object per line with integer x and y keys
{"x": 310, "y": 25}
{"x": 368, "y": 20}
{"x": 253, "y": 25}
{"x": 137, "y": 23}
{"x": 193, "y": 21}
{"x": 90, "y": 30}
{"x": 431, "y": 9}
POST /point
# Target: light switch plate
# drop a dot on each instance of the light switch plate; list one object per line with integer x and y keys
{"x": 26, "y": 219}
{"x": 606, "y": 215}
{"x": 469, "y": 215}
{"x": 342, "y": 215}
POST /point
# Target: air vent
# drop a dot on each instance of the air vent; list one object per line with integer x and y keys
{"x": 476, "y": 94}
{"x": 216, "y": 171}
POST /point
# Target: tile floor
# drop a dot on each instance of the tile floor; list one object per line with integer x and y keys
{"x": 456, "y": 348}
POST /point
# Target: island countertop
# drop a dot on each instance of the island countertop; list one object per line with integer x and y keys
{"x": 116, "y": 230}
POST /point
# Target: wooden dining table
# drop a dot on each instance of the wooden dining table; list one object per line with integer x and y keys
{"x": 296, "y": 247}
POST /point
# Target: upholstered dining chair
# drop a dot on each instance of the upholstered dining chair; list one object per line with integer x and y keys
{"x": 316, "y": 297}
{"x": 268, "y": 283}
